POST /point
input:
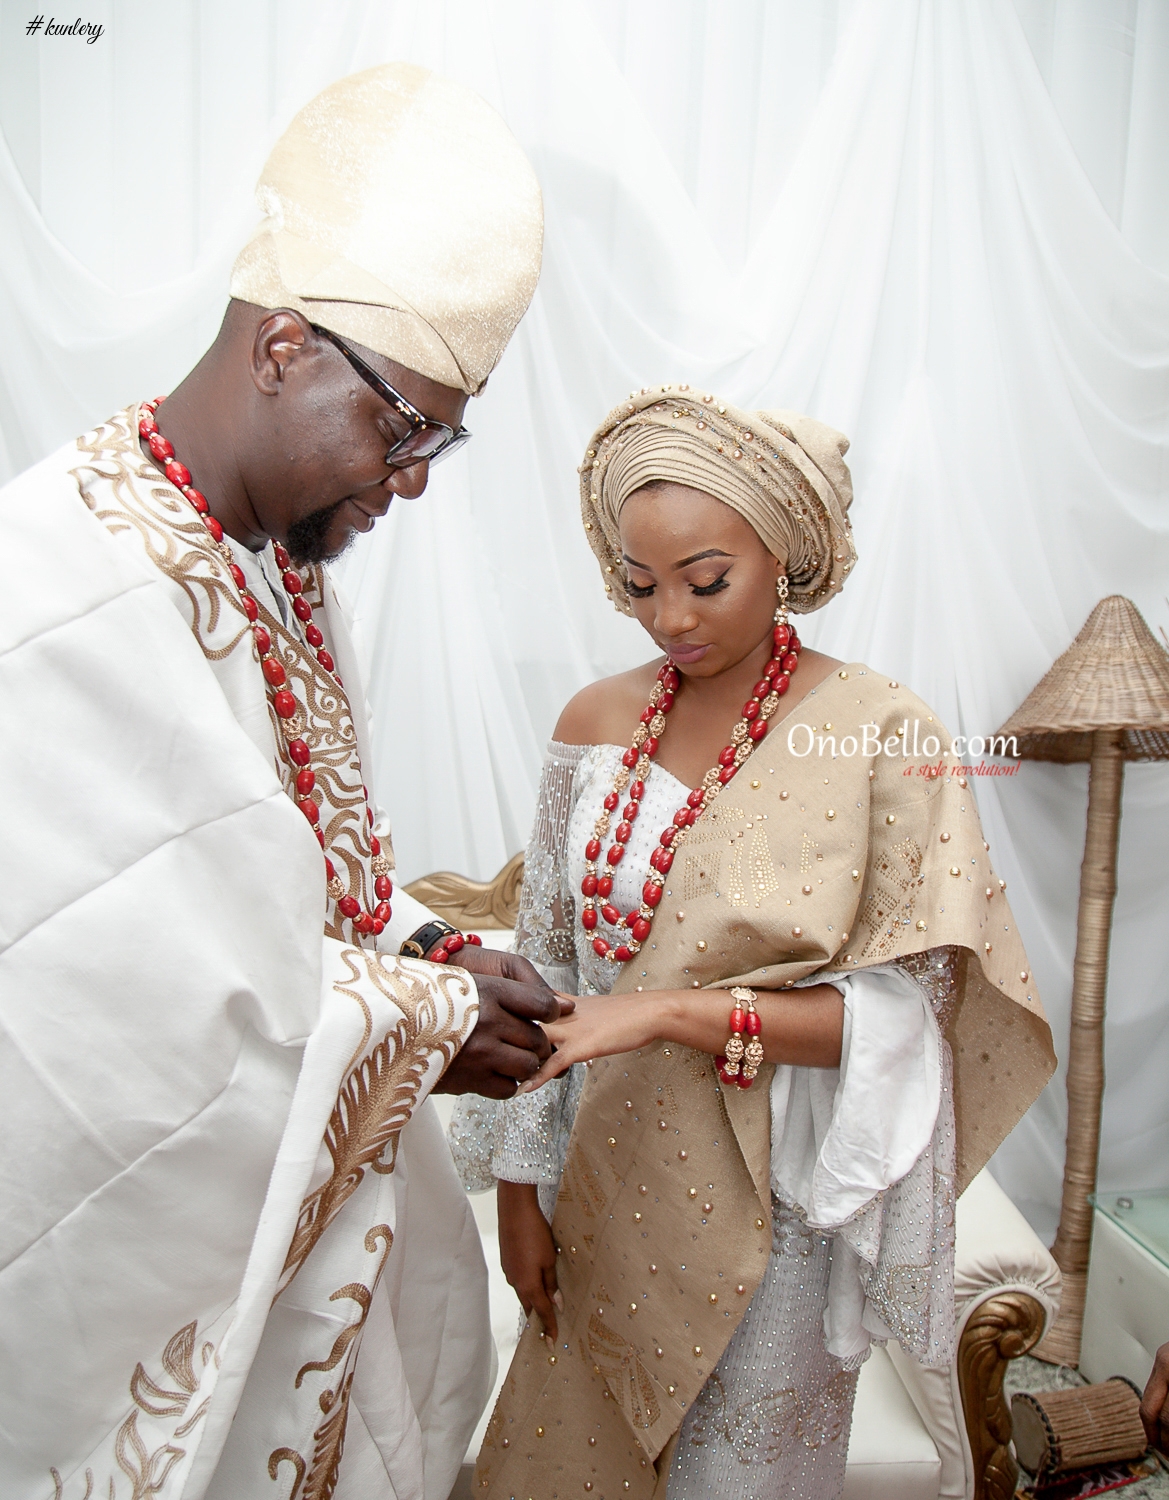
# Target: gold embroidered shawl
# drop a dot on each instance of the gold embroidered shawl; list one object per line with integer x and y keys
{"x": 806, "y": 862}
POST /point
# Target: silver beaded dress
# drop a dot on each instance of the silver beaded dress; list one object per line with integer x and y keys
{"x": 862, "y": 1171}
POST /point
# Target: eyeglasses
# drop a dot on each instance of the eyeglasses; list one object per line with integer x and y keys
{"x": 427, "y": 439}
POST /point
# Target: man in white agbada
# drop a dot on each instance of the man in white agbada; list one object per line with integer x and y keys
{"x": 234, "y": 1257}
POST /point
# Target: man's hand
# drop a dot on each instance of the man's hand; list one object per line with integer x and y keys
{"x": 1155, "y": 1402}
{"x": 527, "y": 1252}
{"x": 506, "y": 1046}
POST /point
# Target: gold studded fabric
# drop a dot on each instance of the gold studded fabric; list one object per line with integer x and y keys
{"x": 656, "y": 1135}
{"x": 400, "y": 212}
{"x": 890, "y": 818}
{"x": 784, "y": 472}
{"x": 609, "y": 1380}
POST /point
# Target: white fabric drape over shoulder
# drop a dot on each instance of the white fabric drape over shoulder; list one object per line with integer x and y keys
{"x": 942, "y": 228}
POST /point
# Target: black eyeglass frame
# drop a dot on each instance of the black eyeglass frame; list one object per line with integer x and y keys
{"x": 454, "y": 437}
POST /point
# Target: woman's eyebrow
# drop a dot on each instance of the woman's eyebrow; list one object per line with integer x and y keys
{"x": 685, "y": 562}
{"x": 698, "y": 556}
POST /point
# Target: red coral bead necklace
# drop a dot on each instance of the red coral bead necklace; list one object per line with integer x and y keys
{"x": 632, "y": 929}
{"x": 287, "y": 710}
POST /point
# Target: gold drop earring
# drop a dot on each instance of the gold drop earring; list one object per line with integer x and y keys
{"x": 781, "y": 607}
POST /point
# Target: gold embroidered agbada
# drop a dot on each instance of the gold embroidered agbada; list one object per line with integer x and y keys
{"x": 234, "y": 1257}
{"x": 230, "y": 1176}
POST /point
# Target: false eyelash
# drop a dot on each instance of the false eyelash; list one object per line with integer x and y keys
{"x": 636, "y": 591}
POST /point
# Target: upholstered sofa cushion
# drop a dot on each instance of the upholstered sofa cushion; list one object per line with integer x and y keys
{"x": 891, "y": 1456}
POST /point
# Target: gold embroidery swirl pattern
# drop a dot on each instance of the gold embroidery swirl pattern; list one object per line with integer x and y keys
{"x": 147, "y": 1469}
{"x": 357, "y": 1292}
{"x": 328, "y": 730}
{"x": 126, "y": 492}
{"x": 380, "y": 1091}
{"x": 178, "y": 1362}
{"x": 318, "y": 1480}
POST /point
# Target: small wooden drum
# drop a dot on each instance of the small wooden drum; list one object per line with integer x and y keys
{"x": 1078, "y": 1429}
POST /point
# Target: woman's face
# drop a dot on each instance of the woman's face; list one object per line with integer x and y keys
{"x": 700, "y": 580}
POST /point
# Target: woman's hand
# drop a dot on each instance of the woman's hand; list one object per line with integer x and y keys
{"x": 600, "y": 1026}
{"x": 528, "y": 1252}
{"x": 803, "y": 1027}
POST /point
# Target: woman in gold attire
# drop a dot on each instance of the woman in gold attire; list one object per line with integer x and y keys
{"x": 808, "y": 1013}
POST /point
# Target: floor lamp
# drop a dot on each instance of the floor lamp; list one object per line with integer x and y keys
{"x": 1106, "y": 700}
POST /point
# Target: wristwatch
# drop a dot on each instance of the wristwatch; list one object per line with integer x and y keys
{"x": 419, "y": 943}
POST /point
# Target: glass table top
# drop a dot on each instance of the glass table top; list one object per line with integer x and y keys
{"x": 1144, "y": 1216}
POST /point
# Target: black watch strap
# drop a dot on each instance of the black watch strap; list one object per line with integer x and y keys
{"x": 419, "y": 943}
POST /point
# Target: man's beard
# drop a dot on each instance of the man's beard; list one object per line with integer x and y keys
{"x": 307, "y": 539}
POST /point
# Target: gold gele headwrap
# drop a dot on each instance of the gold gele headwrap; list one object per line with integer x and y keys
{"x": 783, "y": 472}
{"x": 400, "y": 213}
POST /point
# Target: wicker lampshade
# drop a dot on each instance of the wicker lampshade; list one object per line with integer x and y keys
{"x": 1114, "y": 675}
{"x": 1106, "y": 700}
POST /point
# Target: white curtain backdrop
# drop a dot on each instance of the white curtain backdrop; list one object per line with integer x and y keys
{"x": 940, "y": 225}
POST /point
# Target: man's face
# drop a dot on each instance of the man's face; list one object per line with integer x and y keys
{"x": 325, "y": 476}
